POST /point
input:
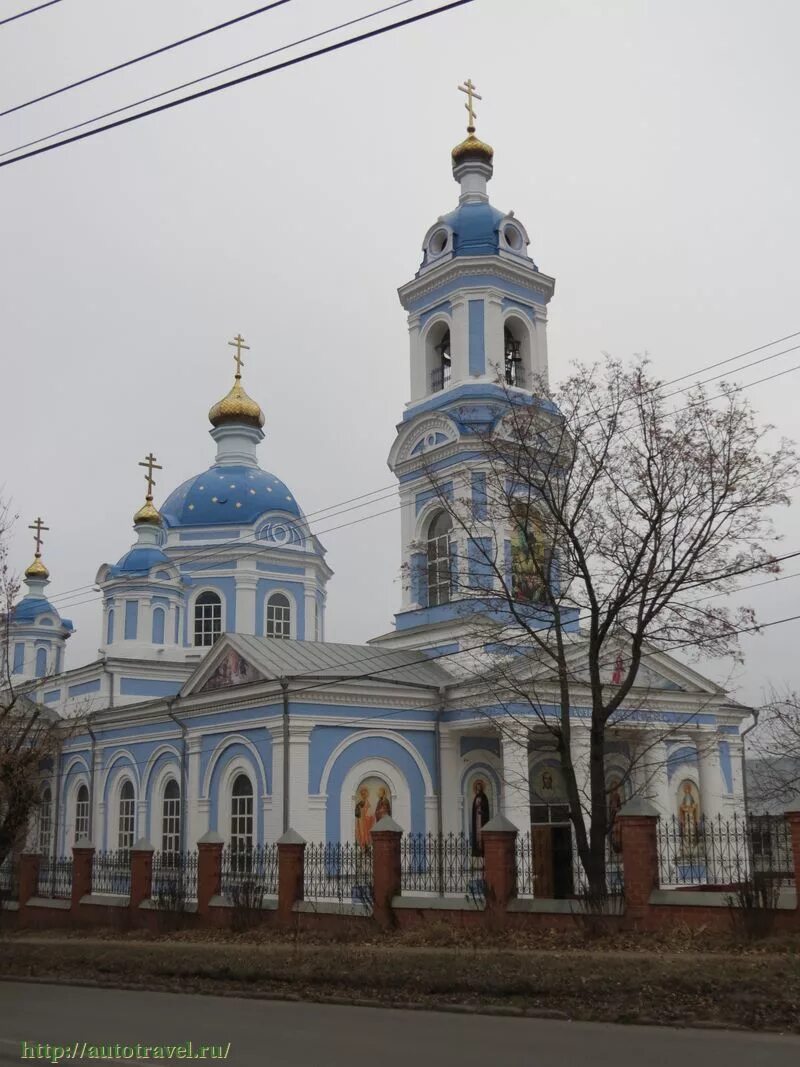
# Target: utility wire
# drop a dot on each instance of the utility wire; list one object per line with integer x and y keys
{"x": 30, "y": 11}
{"x": 147, "y": 55}
{"x": 245, "y": 78}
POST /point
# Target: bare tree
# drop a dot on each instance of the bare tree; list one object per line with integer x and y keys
{"x": 606, "y": 509}
{"x": 774, "y": 766}
{"x": 30, "y": 733}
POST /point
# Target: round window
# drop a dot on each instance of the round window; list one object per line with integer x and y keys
{"x": 438, "y": 243}
{"x": 513, "y": 237}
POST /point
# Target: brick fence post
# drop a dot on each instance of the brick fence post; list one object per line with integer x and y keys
{"x": 291, "y": 874}
{"x": 28, "y": 877}
{"x": 499, "y": 838}
{"x": 82, "y": 861}
{"x": 209, "y": 870}
{"x": 638, "y": 821}
{"x": 141, "y": 872}
{"x": 792, "y": 816}
{"x": 386, "y": 837}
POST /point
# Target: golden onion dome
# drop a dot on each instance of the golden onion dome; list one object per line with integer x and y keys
{"x": 471, "y": 146}
{"x": 37, "y": 569}
{"x": 237, "y": 406}
{"x": 147, "y": 513}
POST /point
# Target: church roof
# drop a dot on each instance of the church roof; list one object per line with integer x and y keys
{"x": 227, "y": 494}
{"x": 140, "y": 559}
{"x": 475, "y": 229}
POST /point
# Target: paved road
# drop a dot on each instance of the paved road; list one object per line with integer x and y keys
{"x": 276, "y": 1034}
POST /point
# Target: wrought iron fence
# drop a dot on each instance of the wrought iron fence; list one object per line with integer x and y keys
{"x": 9, "y": 890}
{"x": 724, "y": 852}
{"x": 441, "y": 864}
{"x": 111, "y": 872}
{"x": 55, "y": 877}
{"x": 174, "y": 879}
{"x": 615, "y": 885}
{"x": 524, "y": 860}
{"x": 341, "y": 872}
{"x": 249, "y": 874}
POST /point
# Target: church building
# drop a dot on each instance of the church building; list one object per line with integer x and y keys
{"x": 216, "y": 701}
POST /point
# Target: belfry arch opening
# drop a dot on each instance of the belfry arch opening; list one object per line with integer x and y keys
{"x": 517, "y": 368}
{"x": 438, "y": 361}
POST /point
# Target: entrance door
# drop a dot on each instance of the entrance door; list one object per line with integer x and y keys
{"x": 562, "y": 862}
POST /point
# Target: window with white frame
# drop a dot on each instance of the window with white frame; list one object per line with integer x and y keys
{"x": 45, "y": 822}
{"x": 279, "y": 616}
{"x": 207, "y": 618}
{"x": 127, "y": 817}
{"x": 242, "y": 817}
{"x": 171, "y": 818}
{"x": 82, "y": 813}
{"x": 439, "y": 567}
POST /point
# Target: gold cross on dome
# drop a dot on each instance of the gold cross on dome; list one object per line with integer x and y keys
{"x": 238, "y": 344}
{"x": 38, "y": 525}
{"x": 150, "y": 463}
{"x": 469, "y": 89}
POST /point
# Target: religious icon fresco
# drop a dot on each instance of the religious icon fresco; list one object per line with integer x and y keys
{"x": 372, "y": 801}
{"x": 688, "y": 809}
{"x": 232, "y": 670}
{"x": 529, "y": 555}
{"x": 480, "y": 813}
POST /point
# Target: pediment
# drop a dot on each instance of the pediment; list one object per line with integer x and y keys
{"x": 223, "y": 668}
{"x": 428, "y": 435}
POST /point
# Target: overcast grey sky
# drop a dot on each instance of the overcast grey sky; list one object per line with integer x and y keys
{"x": 650, "y": 148}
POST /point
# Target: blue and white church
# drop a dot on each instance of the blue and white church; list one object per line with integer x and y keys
{"x": 216, "y": 702}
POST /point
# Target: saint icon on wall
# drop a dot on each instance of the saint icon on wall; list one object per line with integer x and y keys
{"x": 688, "y": 809}
{"x": 479, "y": 817}
{"x": 373, "y": 800}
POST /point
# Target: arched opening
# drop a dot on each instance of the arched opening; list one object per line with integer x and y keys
{"x": 279, "y": 616}
{"x": 126, "y": 826}
{"x": 171, "y": 818}
{"x": 41, "y": 662}
{"x": 207, "y": 618}
{"x": 438, "y": 358}
{"x": 110, "y": 626}
{"x": 438, "y": 556}
{"x": 517, "y": 367}
{"x": 44, "y": 836}
{"x": 158, "y": 626}
{"x": 242, "y": 819}
{"x": 82, "y": 813}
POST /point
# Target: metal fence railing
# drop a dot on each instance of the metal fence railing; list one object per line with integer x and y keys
{"x": 524, "y": 861}
{"x": 725, "y": 852}
{"x": 339, "y": 871}
{"x": 9, "y": 889}
{"x": 441, "y": 864}
{"x": 55, "y": 877}
{"x": 111, "y": 872}
{"x": 174, "y": 878}
{"x": 249, "y": 874}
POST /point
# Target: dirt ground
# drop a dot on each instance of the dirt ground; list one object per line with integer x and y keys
{"x": 684, "y": 979}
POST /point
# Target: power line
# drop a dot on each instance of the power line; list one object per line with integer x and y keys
{"x": 245, "y": 78}
{"x": 206, "y": 77}
{"x": 147, "y": 55}
{"x": 30, "y": 11}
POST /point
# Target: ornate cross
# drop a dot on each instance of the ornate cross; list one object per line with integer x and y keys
{"x": 150, "y": 463}
{"x": 238, "y": 344}
{"x": 469, "y": 89}
{"x": 38, "y": 525}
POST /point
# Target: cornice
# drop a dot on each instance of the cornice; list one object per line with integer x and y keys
{"x": 471, "y": 266}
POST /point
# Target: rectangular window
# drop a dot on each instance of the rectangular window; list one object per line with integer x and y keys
{"x": 131, "y": 619}
{"x": 19, "y": 658}
{"x": 171, "y": 825}
{"x": 127, "y": 818}
{"x": 439, "y": 573}
{"x": 279, "y": 618}
{"x": 81, "y": 819}
{"x": 45, "y": 825}
{"x": 242, "y": 825}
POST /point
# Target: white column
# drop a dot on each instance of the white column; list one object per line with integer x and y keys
{"x": 452, "y": 813}
{"x": 246, "y": 603}
{"x": 310, "y": 609}
{"x": 580, "y": 743}
{"x": 655, "y": 776}
{"x": 493, "y": 340}
{"x": 712, "y": 783}
{"x": 276, "y": 733}
{"x": 419, "y": 383}
{"x": 299, "y": 745}
{"x": 459, "y": 342}
{"x": 539, "y": 344}
{"x": 516, "y": 803}
{"x": 195, "y": 820}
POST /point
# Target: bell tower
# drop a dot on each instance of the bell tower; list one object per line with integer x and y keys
{"x": 477, "y": 321}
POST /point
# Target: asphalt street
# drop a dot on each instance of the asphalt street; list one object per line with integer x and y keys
{"x": 279, "y": 1034}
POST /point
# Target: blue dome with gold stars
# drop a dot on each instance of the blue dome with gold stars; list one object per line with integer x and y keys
{"x": 227, "y": 495}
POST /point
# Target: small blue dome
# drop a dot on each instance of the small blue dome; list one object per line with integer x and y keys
{"x": 31, "y": 607}
{"x": 475, "y": 229}
{"x": 228, "y": 494}
{"x": 139, "y": 560}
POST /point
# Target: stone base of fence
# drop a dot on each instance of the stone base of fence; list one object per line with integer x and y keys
{"x": 383, "y": 902}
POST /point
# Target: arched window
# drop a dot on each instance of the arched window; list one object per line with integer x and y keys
{"x": 82, "y": 813}
{"x": 279, "y": 616}
{"x": 512, "y": 347}
{"x": 45, "y": 822}
{"x": 127, "y": 817}
{"x": 158, "y": 626}
{"x": 41, "y": 662}
{"x": 207, "y": 618}
{"x": 110, "y": 626}
{"x": 171, "y": 818}
{"x": 439, "y": 359}
{"x": 242, "y": 815}
{"x": 440, "y": 579}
